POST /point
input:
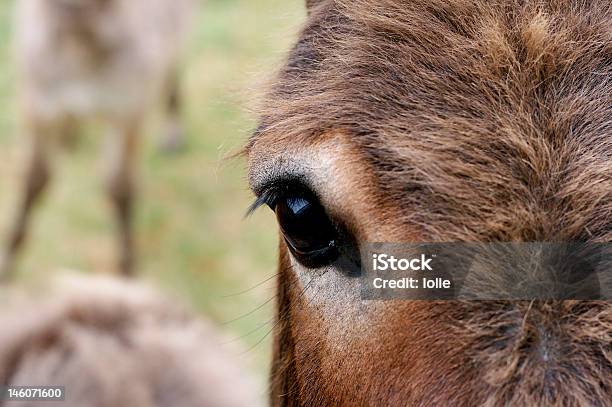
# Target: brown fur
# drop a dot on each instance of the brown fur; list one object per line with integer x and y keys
{"x": 112, "y": 343}
{"x": 467, "y": 121}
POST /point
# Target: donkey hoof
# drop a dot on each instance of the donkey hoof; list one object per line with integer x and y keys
{"x": 126, "y": 267}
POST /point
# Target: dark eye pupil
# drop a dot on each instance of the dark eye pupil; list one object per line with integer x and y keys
{"x": 307, "y": 229}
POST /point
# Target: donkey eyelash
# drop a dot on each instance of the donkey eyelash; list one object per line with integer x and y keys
{"x": 268, "y": 197}
{"x": 271, "y": 192}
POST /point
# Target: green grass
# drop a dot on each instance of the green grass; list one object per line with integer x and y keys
{"x": 192, "y": 236}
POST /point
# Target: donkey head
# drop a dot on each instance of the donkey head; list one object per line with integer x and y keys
{"x": 437, "y": 121}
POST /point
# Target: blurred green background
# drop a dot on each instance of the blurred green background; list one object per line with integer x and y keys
{"x": 191, "y": 232}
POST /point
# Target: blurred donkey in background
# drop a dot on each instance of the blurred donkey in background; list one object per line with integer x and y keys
{"x": 116, "y": 343}
{"x": 105, "y": 59}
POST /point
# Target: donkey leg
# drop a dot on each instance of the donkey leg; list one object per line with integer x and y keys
{"x": 120, "y": 186}
{"x": 36, "y": 179}
{"x": 173, "y": 138}
{"x": 69, "y": 133}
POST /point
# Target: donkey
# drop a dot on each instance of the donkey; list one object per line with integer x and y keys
{"x": 103, "y": 59}
{"x": 437, "y": 121}
{"x": 114, "y": 343}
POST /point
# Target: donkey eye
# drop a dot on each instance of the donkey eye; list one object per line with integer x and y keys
{"x": 307, "y": 229}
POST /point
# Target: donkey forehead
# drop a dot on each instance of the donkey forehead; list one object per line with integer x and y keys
{"x": 467, "y": 107}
